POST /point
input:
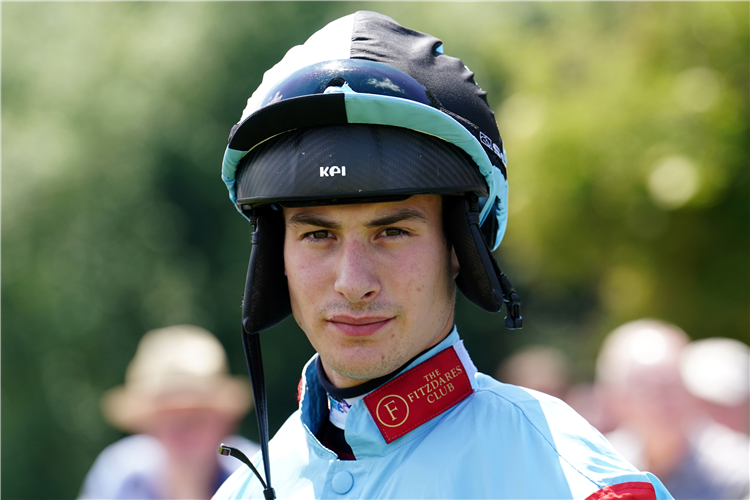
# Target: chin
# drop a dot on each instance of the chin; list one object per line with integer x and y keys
{"x": 362, "y": 369}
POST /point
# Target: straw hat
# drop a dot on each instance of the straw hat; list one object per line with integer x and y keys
{"x": 178, "y": 367}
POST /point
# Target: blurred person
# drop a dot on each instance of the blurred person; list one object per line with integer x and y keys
{"x": 661, "y": 427}
{"x": 180, "y": 403}
{"x": 541, "y": 368}
{"x": 717, "y": 372}
{"x": 370, "y": 165}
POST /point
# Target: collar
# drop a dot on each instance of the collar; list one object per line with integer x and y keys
{"x": 362, "y": 432}
{"x": 339, "y": 409}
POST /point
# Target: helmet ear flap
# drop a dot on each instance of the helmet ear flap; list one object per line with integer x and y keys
{"x": 478, "y": 279}
{"x": 489, "y": 228}
{"x": 266, "y": 301}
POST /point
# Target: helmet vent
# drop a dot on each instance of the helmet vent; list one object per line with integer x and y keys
{"x": 336, "y": 82}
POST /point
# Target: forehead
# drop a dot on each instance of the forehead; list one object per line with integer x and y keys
{"x": 426, "y": 208}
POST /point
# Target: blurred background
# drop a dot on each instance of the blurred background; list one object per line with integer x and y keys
{"x": 625, "y": 124}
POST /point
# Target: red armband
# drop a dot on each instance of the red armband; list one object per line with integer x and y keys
{"x": 625, "y": 491}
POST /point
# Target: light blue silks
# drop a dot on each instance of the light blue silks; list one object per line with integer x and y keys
{"x": 500, "y": 442}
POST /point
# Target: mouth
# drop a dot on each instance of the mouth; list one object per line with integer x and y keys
{"x": 359, "y": 326}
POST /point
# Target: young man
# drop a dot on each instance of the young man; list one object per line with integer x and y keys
{"x": 372, "y": 169}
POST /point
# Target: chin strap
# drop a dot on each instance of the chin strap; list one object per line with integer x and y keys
{"x": 234, "y": 452}
{"x": 255, "y": 367}
{"x": 251, "y": 343}
{"x": 511, "y": 299}
{"x": 257, "y": 379}
{"x": 513, "y": 318}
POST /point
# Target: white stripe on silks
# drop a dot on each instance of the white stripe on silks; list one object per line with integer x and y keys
{"x": 463, "y": 355}
{"x": 333, "y": 41}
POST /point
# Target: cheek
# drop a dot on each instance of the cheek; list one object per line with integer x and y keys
{"x": 418, "y": 274}
{"x": 306, "y": 276}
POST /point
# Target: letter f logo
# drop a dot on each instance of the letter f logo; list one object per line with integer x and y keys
{"x": 390, "y": 410}
{"x": 397, "y": 410}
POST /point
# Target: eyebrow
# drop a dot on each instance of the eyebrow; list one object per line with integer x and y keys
{"x": 308, "y": 219}
{"x": 401, "y": 215}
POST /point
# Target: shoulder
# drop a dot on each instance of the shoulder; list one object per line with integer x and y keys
{"x": 721, "y": 454}
{"x": 138, "y": 452}
{"x": 236, "y": 485}
{"x": 547, "y": 423}
{"x": 555, "y": 424}
{"x": 249, "y": 448}
{"x": 134, "y": 458}
{"x": 288, "y": 450}
{"x": 551, "y": 418}
{"x": 543, "y": 429}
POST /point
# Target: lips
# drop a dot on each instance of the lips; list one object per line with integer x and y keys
{"x": 359, "y": 327}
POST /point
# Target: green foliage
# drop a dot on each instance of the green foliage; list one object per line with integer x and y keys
{"x": 626, "y": 127}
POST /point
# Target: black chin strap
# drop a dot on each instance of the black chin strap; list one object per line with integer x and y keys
{"x": 234, "y": 452}
{"x": 251, "y": 343}
{"x": 513, "y": 318}
{"x": 255, "y": 367}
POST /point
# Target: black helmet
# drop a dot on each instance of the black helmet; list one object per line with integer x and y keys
{"x": 364, "y": 111}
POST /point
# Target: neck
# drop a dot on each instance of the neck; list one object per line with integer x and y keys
{"x": 189, "y": 480}
{"x": 355, "y": 390}
{"x": 664, "y": 450}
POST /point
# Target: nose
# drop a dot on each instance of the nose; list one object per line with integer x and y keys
{"x": 356, "y": 278}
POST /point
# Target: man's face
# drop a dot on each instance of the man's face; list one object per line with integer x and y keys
{"x": 190, "y": 435}
{"x": 370, "y": 285}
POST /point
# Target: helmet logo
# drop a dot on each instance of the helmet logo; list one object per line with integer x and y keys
{"x": 485, "y": 140}
{"x": 331, "y": 171}
{"x": 491, "y": 145}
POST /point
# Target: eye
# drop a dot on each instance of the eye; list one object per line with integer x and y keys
{"x": 317, "y": 236}
{"x": 393, "y": 233}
